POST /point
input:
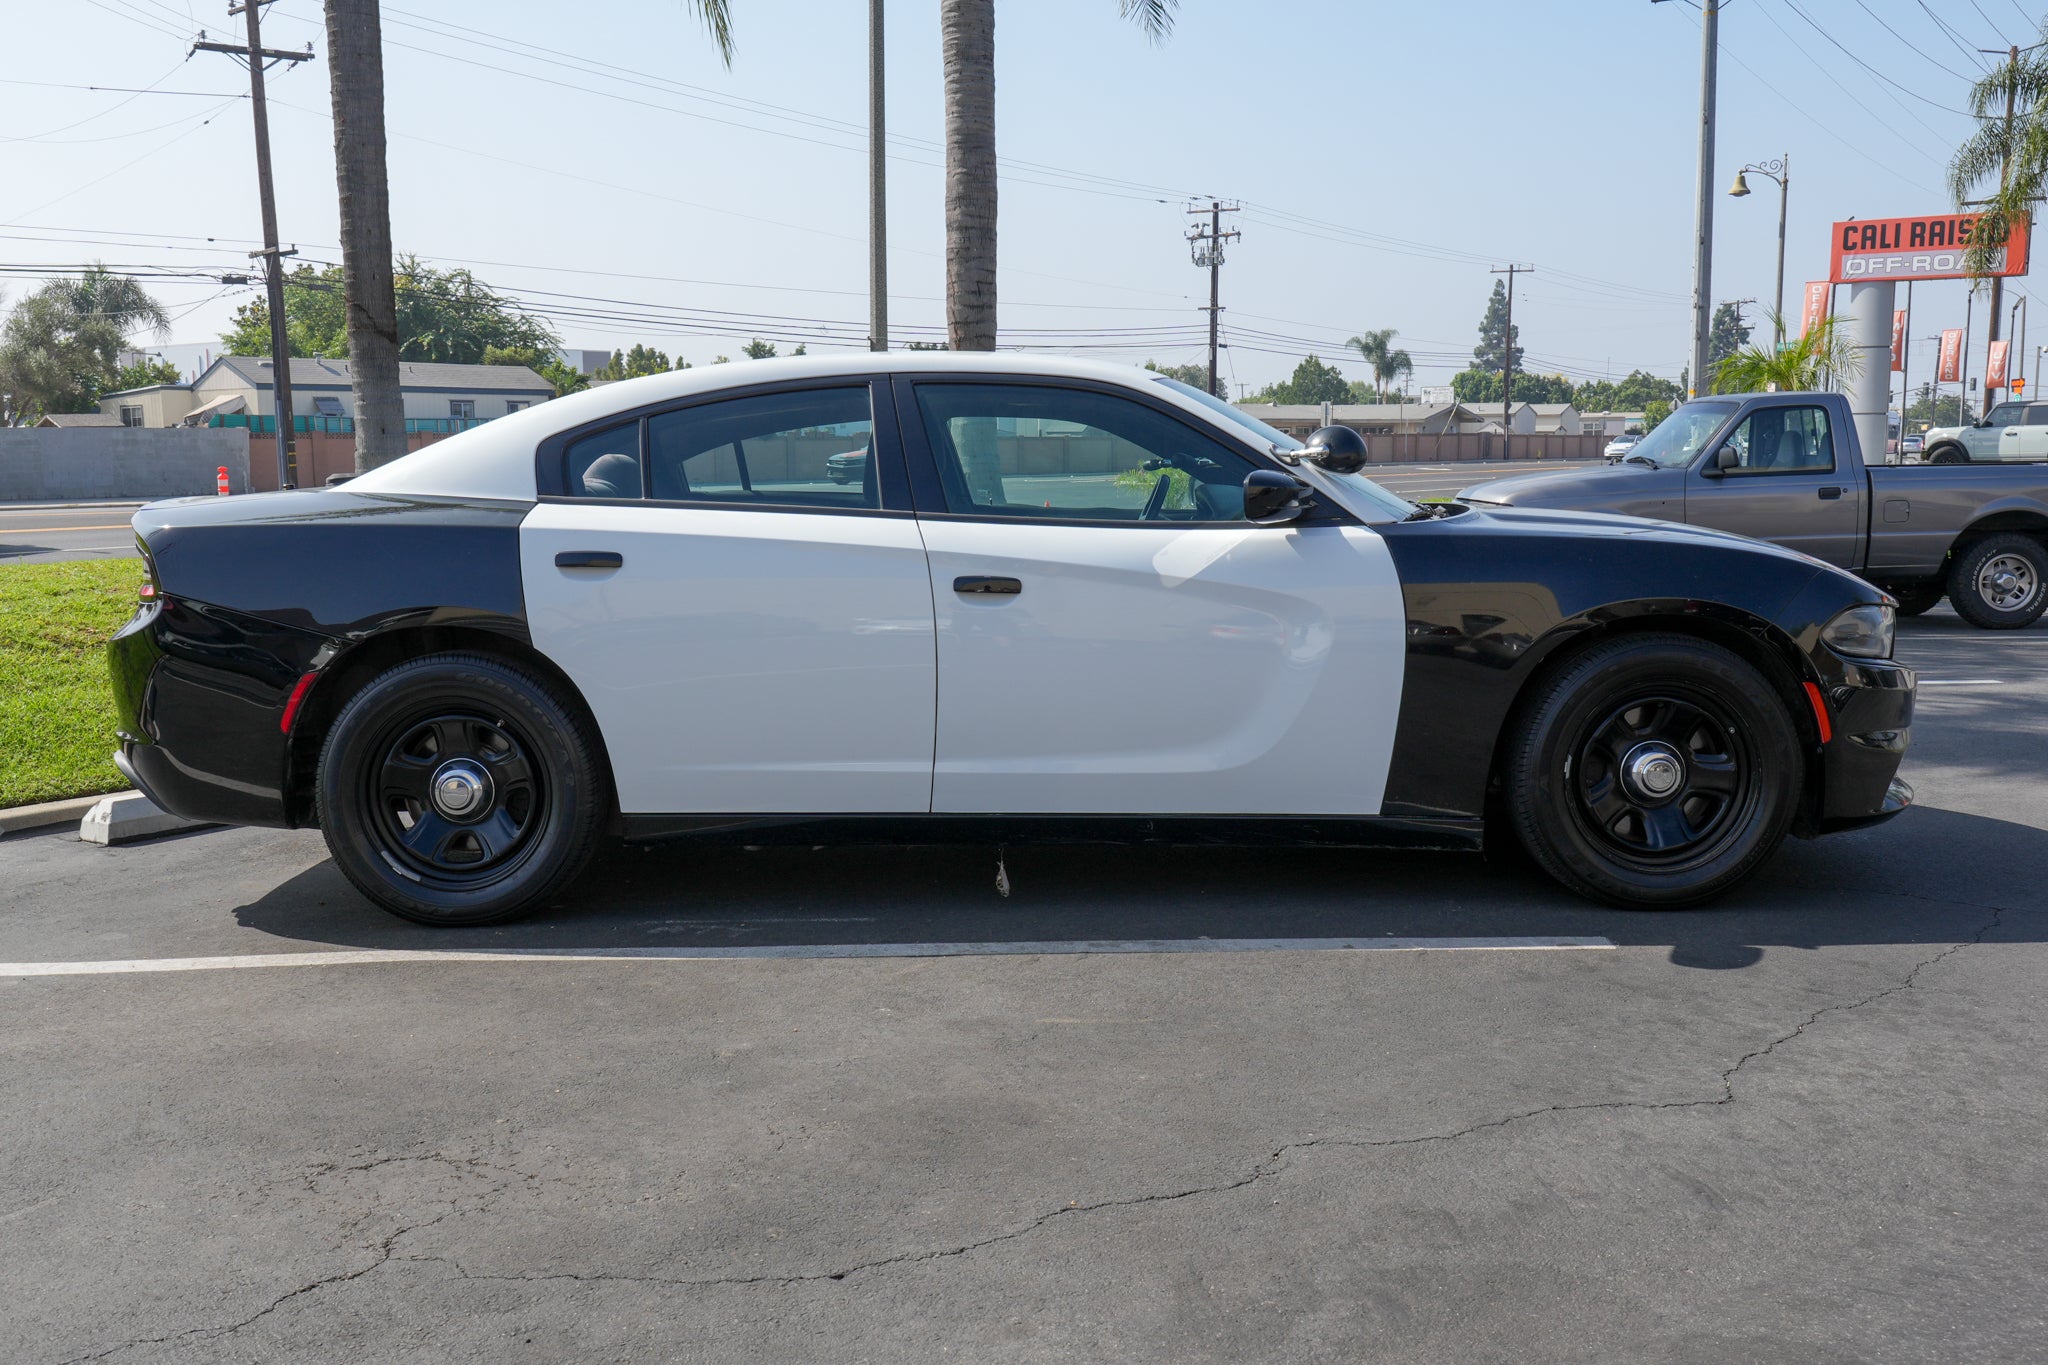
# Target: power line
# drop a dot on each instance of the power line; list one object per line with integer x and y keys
{"x": 1907, "y": 89}
{"x": 1915, "y": 48}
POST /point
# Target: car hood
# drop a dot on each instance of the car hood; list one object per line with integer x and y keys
{"x": 1607, "y": 526}
{"x": 1587, "y": 488}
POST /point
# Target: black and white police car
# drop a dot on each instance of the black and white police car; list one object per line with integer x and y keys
{"x": 1060, "y": 599}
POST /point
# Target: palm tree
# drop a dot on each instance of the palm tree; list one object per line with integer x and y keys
{"x": 99, "y": 296}
{"x": 1803, "y": 363}
{"x": 355, "y": 51}
{"x": 2013, "y": 156}
{"x": 1377, "y": 348}
{"x": 967, "y": 39}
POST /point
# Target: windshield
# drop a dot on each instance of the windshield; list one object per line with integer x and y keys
{"x": 1678, "y": 438}
{"x": 1279, "y": 440}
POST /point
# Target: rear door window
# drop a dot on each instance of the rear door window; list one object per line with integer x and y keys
{"x": 809, "y": 448}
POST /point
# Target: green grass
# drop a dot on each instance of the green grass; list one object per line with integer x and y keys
{"x": 56, "y": 708}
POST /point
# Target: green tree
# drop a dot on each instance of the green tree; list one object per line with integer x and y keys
{"x": 1812, "y": 361}
{"x": 1654, "y": 411}
{"x": 1377, "y": 350}
{"x": 967, "y": 43}
{"x": 1482, "y": 387}
{"x": 548, "y": 364}
{"x": 1633, "y": 394}
{"x": 2003, "y": 167}
{"x": 142, "y": 374}
{"x": 758, "y": 349}
{"x": 636, "y": 362}
{"x": 1194, "y": 376}
{"x": 1727, "y": 335}
{"x": 1498, "y": 342}
{"x": 448, "y": 316}
{"x": 1934, "y": 410}
{"x": 60, "y": 347}
{"x": 1312, "y": 382}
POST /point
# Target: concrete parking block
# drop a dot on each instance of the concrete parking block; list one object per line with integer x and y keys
{"x": 127, "y": 816}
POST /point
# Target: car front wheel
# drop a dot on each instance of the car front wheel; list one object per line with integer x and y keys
{"x": 458, "y": 789}
{"x": 1653, "y": 771}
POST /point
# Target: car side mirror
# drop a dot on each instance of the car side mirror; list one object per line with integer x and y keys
{"x": 1274, "y": 499}
{"x": 1724, "y": 460}
{"x": 1340, "y": 450}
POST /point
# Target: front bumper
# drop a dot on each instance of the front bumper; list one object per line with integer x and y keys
{"x": 1870, "y": 708}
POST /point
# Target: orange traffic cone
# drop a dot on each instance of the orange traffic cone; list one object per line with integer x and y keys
{"x": 220, "y": 481}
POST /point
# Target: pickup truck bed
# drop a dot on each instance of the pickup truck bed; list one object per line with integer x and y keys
{"x": 1787, "y": 468}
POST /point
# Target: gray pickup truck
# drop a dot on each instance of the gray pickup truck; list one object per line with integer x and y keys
{"x": 1786, "y": 467}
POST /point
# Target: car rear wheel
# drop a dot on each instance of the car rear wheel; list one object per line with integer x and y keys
{"x": 1948, "y": 454}
{"x": 2000, "y": 582}
{"x": 1654, "y": 771}
{"x": 458, "y": 789}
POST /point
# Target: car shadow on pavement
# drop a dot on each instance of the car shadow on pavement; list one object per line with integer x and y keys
{"x": 1932, "y": 876}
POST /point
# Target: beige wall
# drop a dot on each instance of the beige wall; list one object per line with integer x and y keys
{"x": 164, "y": 407}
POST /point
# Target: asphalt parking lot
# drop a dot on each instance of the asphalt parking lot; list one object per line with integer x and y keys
{"x": 1156, "y": 1104}
{"x": 33, "y": 533}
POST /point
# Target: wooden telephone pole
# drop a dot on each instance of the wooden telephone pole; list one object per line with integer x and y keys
{"x": 259, "y": 59}
{"x": 1207, "y": 248}
{"x": 1507, "y": 356}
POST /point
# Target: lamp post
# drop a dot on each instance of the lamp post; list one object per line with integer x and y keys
{"x": 1780, "y": 170}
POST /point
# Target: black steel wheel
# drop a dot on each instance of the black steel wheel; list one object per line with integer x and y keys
{"x": 2000, "y": 582}
{"x": 458, "y": 789}
{"x": 1653, "y": 771}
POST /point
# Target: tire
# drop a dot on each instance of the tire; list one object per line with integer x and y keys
{"x": 2000, "y": 582}
{"x": 1623, "y": 718}
{"x": 1920, "y": 598}
{"x": 1948, "y": 454}
{"x": 414, "y": 744}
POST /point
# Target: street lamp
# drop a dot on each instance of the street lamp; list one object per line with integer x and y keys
{"x": 1780, "y": 170}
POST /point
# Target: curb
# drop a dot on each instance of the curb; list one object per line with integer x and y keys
{"x": 44, "y": 814}
{"x": 71, "y": 506}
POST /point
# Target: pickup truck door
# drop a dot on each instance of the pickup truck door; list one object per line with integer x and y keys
{"x": 1789, "y": 484}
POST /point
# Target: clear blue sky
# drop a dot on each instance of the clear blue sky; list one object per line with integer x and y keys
{"x": 1388, "y": 154}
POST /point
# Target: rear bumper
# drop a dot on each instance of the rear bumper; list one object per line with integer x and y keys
{"x": 200, "y": 696}
{"x": 1870, "y": 706}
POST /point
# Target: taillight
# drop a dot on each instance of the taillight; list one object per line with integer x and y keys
{"x": 148, "y": 592}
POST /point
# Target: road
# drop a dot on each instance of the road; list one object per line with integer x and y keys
{"x": 37, "y": 534}
{"x": 836, "y": 1106}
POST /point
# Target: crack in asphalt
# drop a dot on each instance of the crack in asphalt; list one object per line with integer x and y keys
{"x": 1271, "y": 1165}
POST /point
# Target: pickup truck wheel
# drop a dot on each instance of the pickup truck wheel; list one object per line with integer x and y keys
{"x": 1948, "y": 455}
{"x": 1920, "y": 598}
{"x": 1654, "y": 771}
{"x": 2000, "y": 582}
{"x": 458, "y": 789}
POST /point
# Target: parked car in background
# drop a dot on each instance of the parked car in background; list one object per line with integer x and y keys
{"x": 1786, "y": 467}
{"x": 1065, "y": 600}
{"x": 1622, "y": 445}
{"x": 848, "y": 466}
{"x": 2010, "y": 432}
{"x": 1910, "y": 447}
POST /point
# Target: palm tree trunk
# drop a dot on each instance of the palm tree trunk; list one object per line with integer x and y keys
{"x": 355, "y": 51}
{"x": 967, "y": 31}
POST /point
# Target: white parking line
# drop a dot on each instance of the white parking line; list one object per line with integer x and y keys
{"x": 1962, "y": 682}
{"x": 355, "y": 957}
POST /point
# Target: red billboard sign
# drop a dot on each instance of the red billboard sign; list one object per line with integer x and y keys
{"x": 1899, "y": 339}
{"x": 1950, "y": 370}
{"x": 1819, "y": 295}
{"x": 1994, "y": 371}
{"x": 1928, "y": 247}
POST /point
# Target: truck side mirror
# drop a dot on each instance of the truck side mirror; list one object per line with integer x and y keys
{"x": 1724, "y": 460}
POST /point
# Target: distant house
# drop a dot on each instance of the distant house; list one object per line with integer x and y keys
{"x": 437, "y": 397}
{"x": 1368, "y": 419}
{"x": 1611, "y": 423}
{"x": 83, "y": 419}
{"x": 1556, "y": 419}
{"x": 1486, "y": 419}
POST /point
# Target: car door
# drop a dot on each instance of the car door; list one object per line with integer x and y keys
{"x": 1115, "y": 638}
{"x": 2032, "y": 442}
{"x": 752, "y": 635}
{"x": 2004, "y": 434}
{"x": 1786, "y": 484}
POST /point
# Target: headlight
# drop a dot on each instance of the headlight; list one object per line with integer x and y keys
{"x": 1863, "y": 631}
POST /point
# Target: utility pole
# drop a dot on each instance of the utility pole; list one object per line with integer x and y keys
{"x": 259, "y": 58}
{"x": 1703, "y": 226}
{"x": 878, "y": 190}
{"x": 1507, "y": 354}
{"x": 1963, "y": 361}
{"x": 1207, "y": 250}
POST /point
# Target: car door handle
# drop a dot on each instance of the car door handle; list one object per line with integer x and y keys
{"x": 590, "y": 559}
{"x": 2012, "y": 431}
{"x": 1832, "y": 491}
{"x": 984, "y": 583}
